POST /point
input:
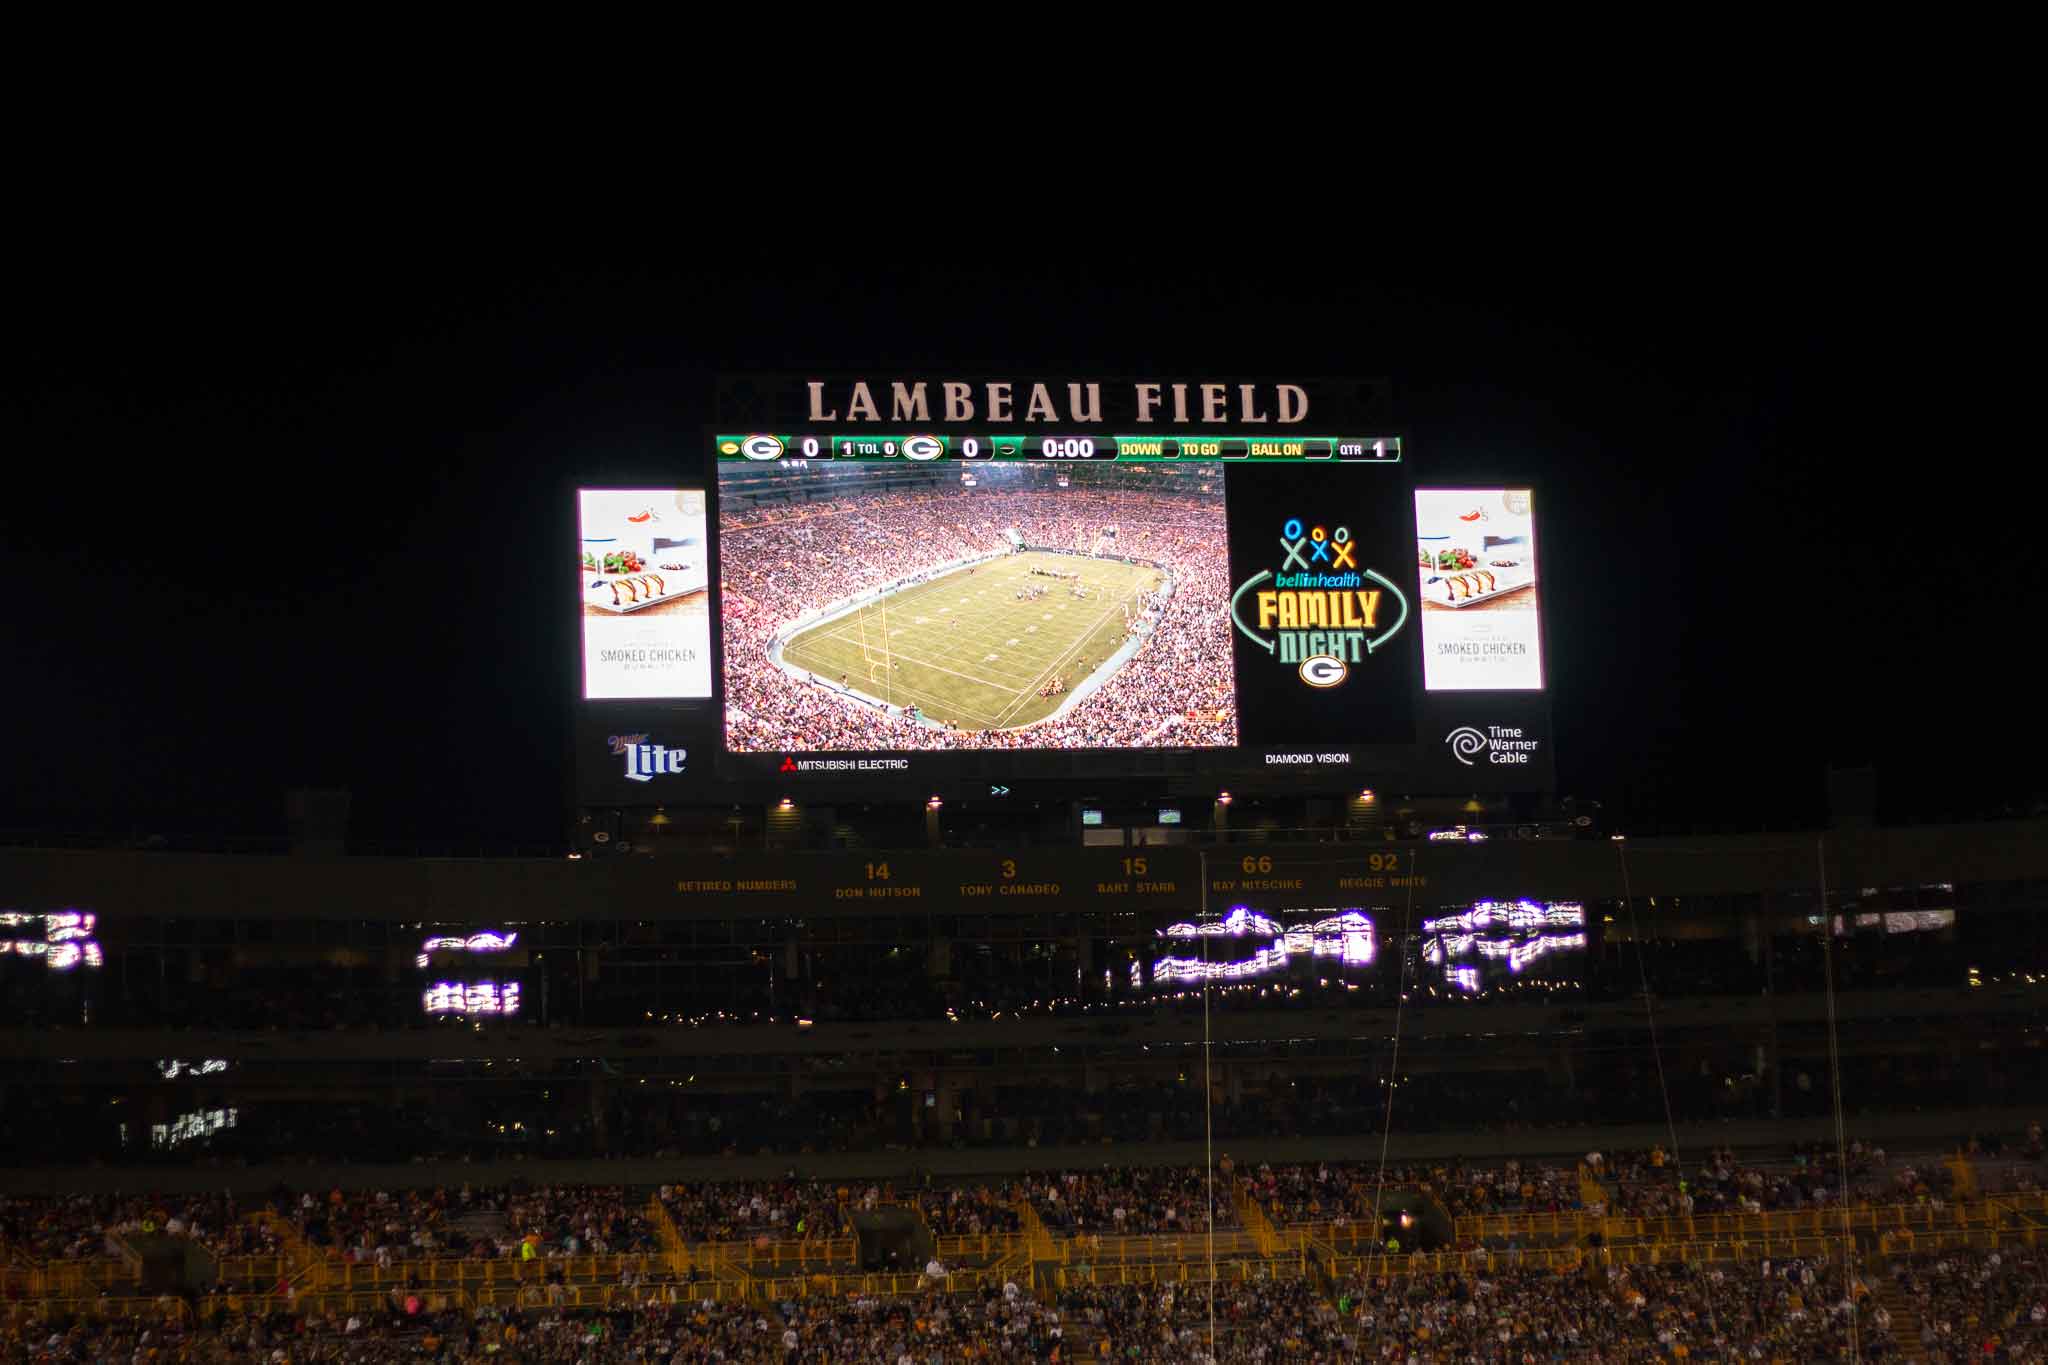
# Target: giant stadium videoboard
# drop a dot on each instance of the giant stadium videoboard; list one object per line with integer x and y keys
{"x": 934, "y": 585}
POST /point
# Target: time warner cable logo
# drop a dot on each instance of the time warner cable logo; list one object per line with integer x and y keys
{"x": 1502, "y": 744}
{"x": 644, "y": 761}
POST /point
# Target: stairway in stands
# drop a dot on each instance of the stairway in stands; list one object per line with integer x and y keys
{"x": 298, "y": 1254}
{"x": 1905, "y": 1319}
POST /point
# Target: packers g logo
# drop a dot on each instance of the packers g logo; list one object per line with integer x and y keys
{"x": 1323, "y": 670}
{"x": 923, "y": 447}
{"x": 762, "y": 447}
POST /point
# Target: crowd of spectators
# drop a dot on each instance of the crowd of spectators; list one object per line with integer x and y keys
{"x": 78, "y": 1227}
{"x": 1342, "y": 1192}
{"x": 1651, "y": 1183}
{"x": 1255, "y": 1320}
{"x": 1970, "y": 1305}
{"x": 1770, "y": 1311}
{"x": 781, "y": 1210}
{"x": 529, "y": 1221}
{"x": 1973, "y": 1305}
{"x": 780, "y": 564}
{"x": 1003, "y": 1327}
{"x": 1119, "y": 1200}
{"x": 972, "y": 1211}
{"x": 1644, "y": 1183}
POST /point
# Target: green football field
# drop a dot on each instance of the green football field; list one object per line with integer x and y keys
{"x": 965, "y": 649}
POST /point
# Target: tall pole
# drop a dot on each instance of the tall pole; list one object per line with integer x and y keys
{"x": 1208, "y": 1103}
{"x": 1827, "y": 950}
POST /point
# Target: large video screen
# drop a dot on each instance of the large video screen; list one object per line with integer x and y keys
{"x": 644, "y": 577}
{"x": 913, "y": 594}
{"x": 885, "y": 607}
{"x": 1476, "y": 581}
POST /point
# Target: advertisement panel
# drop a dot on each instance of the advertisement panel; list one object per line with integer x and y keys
{"x": 1323, "y": 618}
{"x": 1485, "y": 742}
{"x": 1476, "y": 580}
{"x": 644, "y": 597}
{"x": 645, "y": 755}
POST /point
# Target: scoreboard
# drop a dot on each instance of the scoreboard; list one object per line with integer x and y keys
{"x": 911, "y": 587}
{"x": 916, "y": 447}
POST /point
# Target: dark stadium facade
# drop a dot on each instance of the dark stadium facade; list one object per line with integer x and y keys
{"x": 905, "y": 995}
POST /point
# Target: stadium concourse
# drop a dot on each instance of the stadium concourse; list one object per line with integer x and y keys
{"x": 781, "y": 564}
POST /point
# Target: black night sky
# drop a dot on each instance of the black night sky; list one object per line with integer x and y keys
{"x": 274, "y": 523}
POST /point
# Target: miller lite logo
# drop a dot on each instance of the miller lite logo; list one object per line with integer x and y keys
{"x": 644, "y": 761}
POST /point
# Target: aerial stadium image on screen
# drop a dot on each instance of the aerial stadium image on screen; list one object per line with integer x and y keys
{"x": 901, "y": 606}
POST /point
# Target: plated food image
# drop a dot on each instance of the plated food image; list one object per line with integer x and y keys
{"x": 1458, "y": 587}
{"x": 619, "y": 593}
{"x": 640, "y": 587}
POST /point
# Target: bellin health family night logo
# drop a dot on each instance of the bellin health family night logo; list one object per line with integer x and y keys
{"x": 1323, "y": 611}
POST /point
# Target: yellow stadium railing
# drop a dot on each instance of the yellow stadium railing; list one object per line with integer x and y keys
{"x": 879, "y": 1286}
{"x": 469, "y": 1274}
{"x": 259, "y": 1271}
{"x": 1788, "y": 1222}
{"x": 1702, "y": 1227}
{"x": 1554, "y": 1223}
{"x": 671, "y": 1237}
{"x": 1906, "y": 1242}
{"x": 164, "y": 1308}
{"x": 79, "y": 1279}
{"x": 1186, "y": 1246}
{"x": 764, "y": 1257}
{"x": 1355, "y": 1238}
{"x": 1179, "y": 1272}
{"x": 296, "y": 1249}
{"x": 611, "y": 1295}
{"x": 378, "y": 1300}
{"x": 715, "y": 1259}
{"x": 1043, "y": 1248}
{"x": 1254, "y": 1218}
{"x": 979, "y": 1247}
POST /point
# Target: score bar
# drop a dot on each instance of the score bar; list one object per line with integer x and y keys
{"x": 917, "y": 448}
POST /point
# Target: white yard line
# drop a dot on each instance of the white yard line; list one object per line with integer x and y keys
{"x": 927, "y": 697}
{"x": 923, "y": 640}
{"x": 1065, "y": 654}
{"x": 850, "y": 632}
{"x": 926, "y": 663}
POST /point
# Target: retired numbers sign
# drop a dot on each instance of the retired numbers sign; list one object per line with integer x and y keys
{"x": 1064, "y": 880}
{"x": 1059, "y": 879}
